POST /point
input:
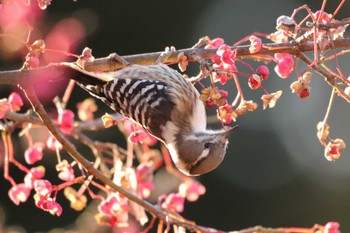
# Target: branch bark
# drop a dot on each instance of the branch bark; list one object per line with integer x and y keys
{"x": 110, "y": 63}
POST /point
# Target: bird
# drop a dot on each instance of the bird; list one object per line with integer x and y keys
{"x": 166, "y": 105}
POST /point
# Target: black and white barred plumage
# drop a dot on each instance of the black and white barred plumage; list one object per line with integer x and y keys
{"x": 166, "y": 105}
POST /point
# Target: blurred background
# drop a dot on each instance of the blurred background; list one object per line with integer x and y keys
{"x": 274, "y": 173}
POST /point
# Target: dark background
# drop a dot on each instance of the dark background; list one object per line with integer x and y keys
{"x": 274, "y": 173}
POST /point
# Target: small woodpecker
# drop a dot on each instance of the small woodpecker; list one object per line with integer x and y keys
{"x": 166, "y": 105}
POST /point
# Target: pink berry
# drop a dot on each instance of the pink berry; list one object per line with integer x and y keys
{"x": 34, "y": 153}
{"x": 305, "y": 93}
{"x": 209, "y": 103}
{"x": 19, "y": 193}
{"x": 66, "y": 121}
{"x": 263, "y": 72}
{"x": 254, "y": 82}
{"x": 16, "y": 101}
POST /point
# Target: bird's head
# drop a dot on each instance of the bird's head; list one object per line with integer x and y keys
{"x": 201, "y": 152}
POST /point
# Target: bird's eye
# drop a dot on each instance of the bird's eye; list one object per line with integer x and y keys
{"x": 208, "y": 145}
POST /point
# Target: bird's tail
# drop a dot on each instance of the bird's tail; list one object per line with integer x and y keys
{"x": 83, "y": 77}
{"x": 90, "y": 82}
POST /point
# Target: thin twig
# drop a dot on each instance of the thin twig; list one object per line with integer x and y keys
{"x": 330, "y": 79}
{"x": 328, "y": 112}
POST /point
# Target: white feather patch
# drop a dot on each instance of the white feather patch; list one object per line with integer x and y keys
{"x": 169, "y": 131}
{"x": 199, "y": 117}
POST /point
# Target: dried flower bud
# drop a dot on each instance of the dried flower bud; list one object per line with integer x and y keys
{"x": 205, "y": 94}
{"x": 322, "y": 130}
{"x": 86, "y": 109}
{"x": 249, "y": 105}
{"x": 37, "y": 48}
{"x": 271, "y": 99}
{"x": 347, "y": 91}
{"x": 182, "y": 61}
{"x": 65, "y": 170}
{"x": 240, "y": 111}
{"x": 301, "y": 87}
{"x": 255, "y": 44}
{"x": 306, "y": 77}
{"x": 296, "y": 87}
{"x": 340, "y": 144}
{"x": 77, "y": 201}
{"x": 278, "y": 37}
{"x": 334, "y": 149}
{"x": 43, "y": 4}
{"x": 215, "y": 95}
{"x": 286, "y": 24}
{"x": 108, "y": 120}
{"x": 224, "y": 113}
{"x": 234, "y": 115}
{"x": 86, "y": 56}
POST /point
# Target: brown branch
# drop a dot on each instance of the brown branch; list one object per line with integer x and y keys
{"x": 112, "y": 63}
{"x": 109, "y": 63}
{"x": 14, "y": 77}
{"x": 23, "y": 118}
{"x": 260, "y": 229}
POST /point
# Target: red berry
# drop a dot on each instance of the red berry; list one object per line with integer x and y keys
{"x": 254, "y": 82}
{"x": 209, "y": 103}
{"x": 305, "y": 93}
{"x": 223, "y": 93}
{"x": 263, "y": 71}
{"x": 32, "y": 61}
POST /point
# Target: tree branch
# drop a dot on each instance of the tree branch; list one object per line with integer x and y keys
{"x": 110, "y": 63}
{"x": 23, "y": 118}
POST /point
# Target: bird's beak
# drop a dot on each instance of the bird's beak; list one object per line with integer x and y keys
{"x": 227, "y": 133}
